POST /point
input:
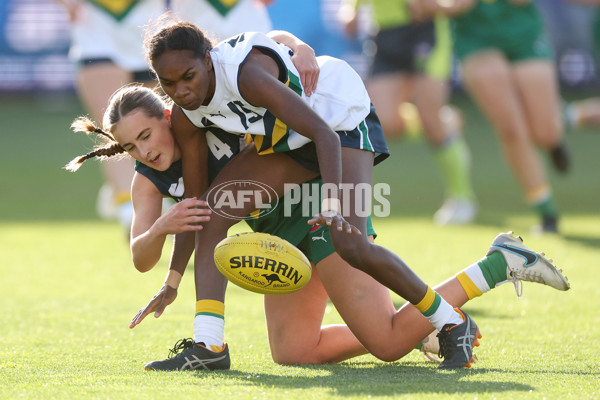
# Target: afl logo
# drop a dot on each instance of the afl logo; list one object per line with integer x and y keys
{"x": 228, "y": 199}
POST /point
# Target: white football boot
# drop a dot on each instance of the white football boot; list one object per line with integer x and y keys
{"x": 527, "y": 265}
{"x": 456, "y": 212}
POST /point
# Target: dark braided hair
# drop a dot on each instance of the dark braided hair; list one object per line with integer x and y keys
{"x": 124, "y": 101}
{"x": 168, "y": 33}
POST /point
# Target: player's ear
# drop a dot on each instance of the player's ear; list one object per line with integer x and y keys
{"x": 168, "y": 115}
{"x": 207, "y": 61}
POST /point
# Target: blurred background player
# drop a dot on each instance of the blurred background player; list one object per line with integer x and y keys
{"x": 408, "y": 84}
{"x": 507, "y": 68}
{"x": 585, "y": 112}
{"x": 107, "y": 44}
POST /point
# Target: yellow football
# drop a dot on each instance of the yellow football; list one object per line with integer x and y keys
{"x": 262, "y": 263}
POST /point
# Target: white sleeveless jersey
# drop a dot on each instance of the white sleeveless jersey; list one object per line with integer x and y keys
{"x": 114, "y": 29}
{"x": 116, "y": 34}
{"x": 340, "y": 99}
{"x": 221, "y": 19}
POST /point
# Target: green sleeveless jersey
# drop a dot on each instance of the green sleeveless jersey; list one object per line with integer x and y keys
{"x": 390, "y": 13}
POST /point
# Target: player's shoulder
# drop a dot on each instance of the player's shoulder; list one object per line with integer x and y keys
{"x": 240, "y": 45}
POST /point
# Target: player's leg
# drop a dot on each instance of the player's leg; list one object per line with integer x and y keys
{"x": 449, "y": 150}
{"x": 489, "y": 79}
{"x": 583, "y": 113}
{"x": 389, "y": 269}
{"x": 295, "y": 332}
{"x": 538, "y": 86}
{"x": 387, "y": 92}
{"x": 366, "y": 306}
{"x": 247, "y": 165}
{"x": 208, "y": 349}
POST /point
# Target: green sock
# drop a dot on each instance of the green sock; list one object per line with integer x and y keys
{"x": 453, "y": 160}
{"x": 493, "y": 268}
{"x": 546, "y": 208}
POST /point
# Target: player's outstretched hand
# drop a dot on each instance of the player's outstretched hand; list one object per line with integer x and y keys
{"x": 332, "y": 218}
{"x": 165, "y": 296}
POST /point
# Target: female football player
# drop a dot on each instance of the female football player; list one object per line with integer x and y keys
{"x": 107, "y": 45}
{"x": 508, "y": 69}
{"x": 248, "y": 85}
{"x": 139, "y": 122}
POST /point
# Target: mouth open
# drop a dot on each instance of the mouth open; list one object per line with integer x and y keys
{"x": 155, "y": 160}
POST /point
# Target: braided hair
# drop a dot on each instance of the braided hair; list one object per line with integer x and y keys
{"x": 109, "y": 148}
{"x": 124, "y": 101}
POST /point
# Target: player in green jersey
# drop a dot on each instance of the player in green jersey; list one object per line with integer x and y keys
{"x": 507, "y": 68}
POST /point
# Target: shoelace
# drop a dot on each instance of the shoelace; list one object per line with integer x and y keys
{"x": 181, "y": 344}
{"x": 518, "y": 285}
{"x": 443, "y": 345}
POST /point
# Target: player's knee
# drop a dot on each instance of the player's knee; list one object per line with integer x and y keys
{"x": 548, "y": 139}
{"x": 510, "y": 133}
{"x": 384, "y": 352}
{"x": 294, "y": 355}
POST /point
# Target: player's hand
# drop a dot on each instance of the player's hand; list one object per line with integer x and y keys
{"x": 165, "y": 296}
{"x": 333, "y": 218}
{"x": 306, "y": 63}
{"x": 419, "y": 10}
{"x": 184, "y": 216}
{"x": 72, "y": 7}
{"x": 348, "y": 18}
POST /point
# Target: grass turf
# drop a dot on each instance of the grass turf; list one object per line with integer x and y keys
{"x": 69, "y": 289}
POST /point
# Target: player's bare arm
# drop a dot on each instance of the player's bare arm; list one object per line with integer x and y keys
{"x": 194, "y": 153}
{"x": 260, "y": 86}
{"x": 304, "y": 59}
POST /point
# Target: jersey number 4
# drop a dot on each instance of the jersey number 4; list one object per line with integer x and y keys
{"x": 217, "y": 147}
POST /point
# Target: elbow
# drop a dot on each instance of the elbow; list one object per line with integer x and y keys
{"x": 142, "y": 267}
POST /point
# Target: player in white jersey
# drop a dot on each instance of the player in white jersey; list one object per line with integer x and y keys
{"x": 268, "y": 107}
{"x": 340, "y": 99}
{"x": 225, "y": 18}
{"x": 364, "y": 304}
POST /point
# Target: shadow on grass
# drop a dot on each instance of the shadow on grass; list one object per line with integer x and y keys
{"x": 372, "y": 379}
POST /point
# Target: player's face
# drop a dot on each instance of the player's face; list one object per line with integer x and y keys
{"x": 149, "y": 140}
{"x": 186, "y": 79}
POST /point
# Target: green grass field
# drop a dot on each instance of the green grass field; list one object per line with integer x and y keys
{"x": 69, "y": 290}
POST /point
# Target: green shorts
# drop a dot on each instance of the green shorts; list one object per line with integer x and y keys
{"x": 316, "y": 246}
{"x": 527, "y": 48}
{"x": 515, "y": 30}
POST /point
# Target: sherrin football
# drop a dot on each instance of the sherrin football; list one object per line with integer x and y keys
{"x": 262, "y": 263}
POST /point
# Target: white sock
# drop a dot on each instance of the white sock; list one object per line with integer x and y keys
{"x": 210, "y": 331}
